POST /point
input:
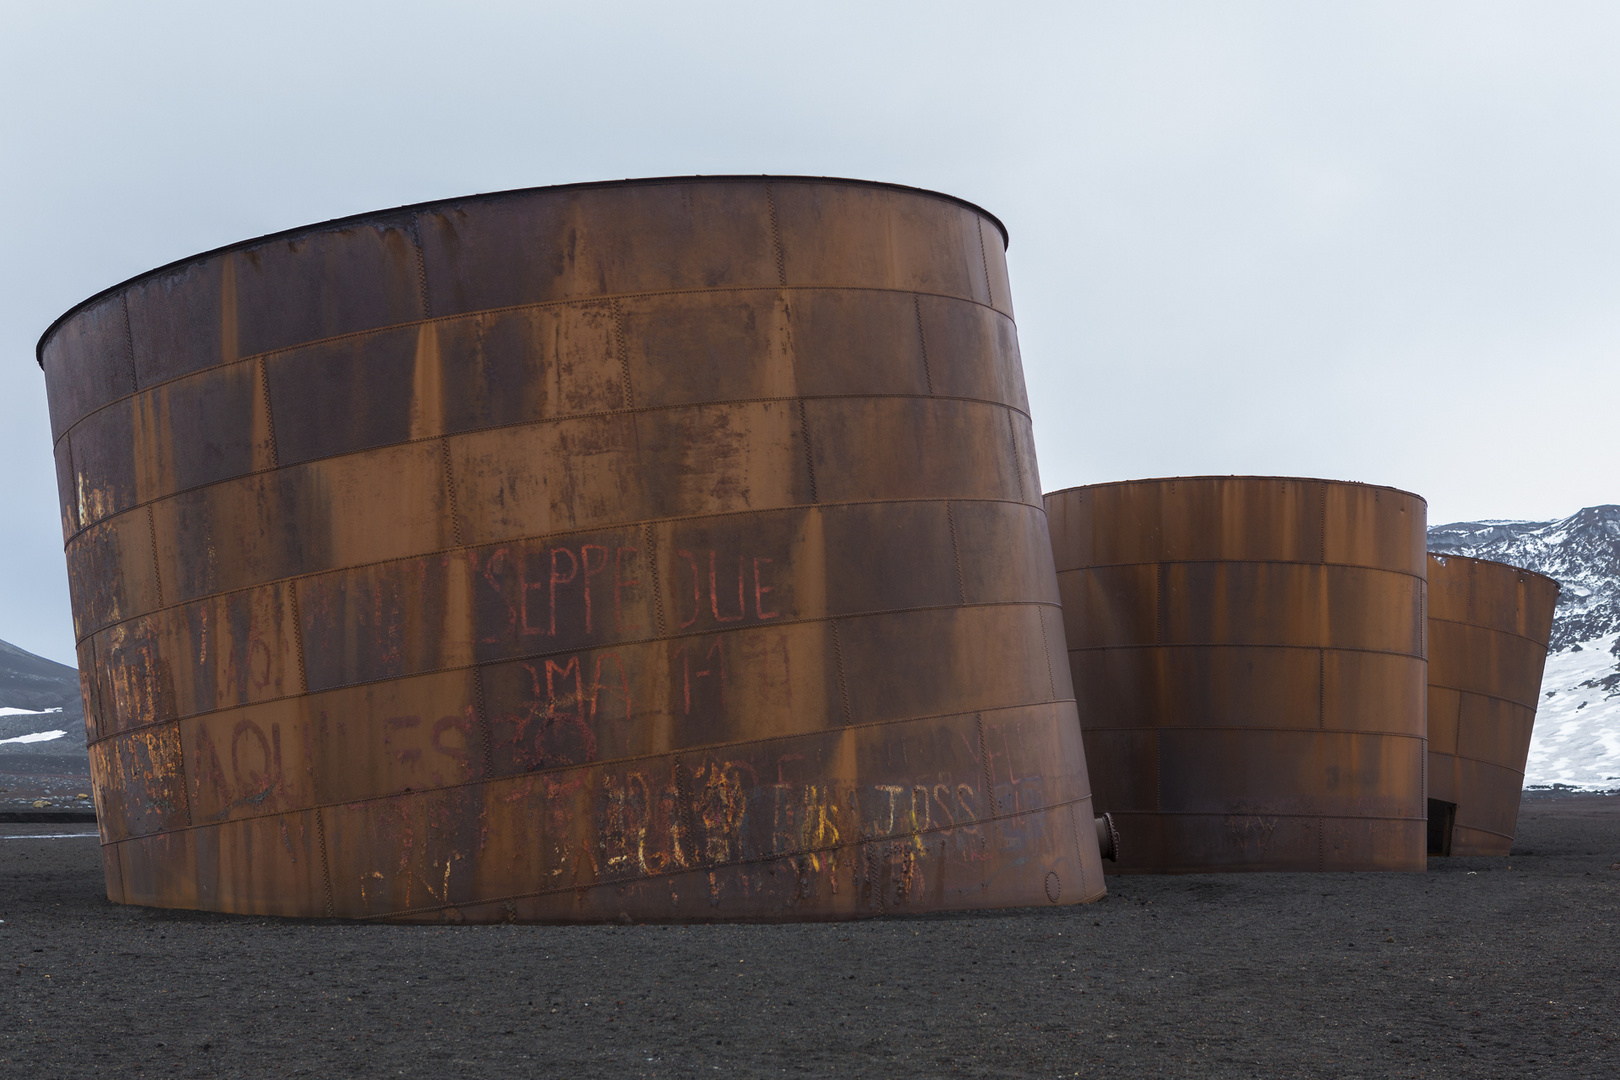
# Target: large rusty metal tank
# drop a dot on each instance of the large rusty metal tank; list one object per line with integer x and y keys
{"x": 655, "y": 550}
{"x": 1248, "y": 658}
{"x": 1489, "y": 626}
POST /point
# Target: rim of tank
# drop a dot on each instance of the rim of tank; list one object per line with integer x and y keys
{"x": 585, "y": 185}
{"x": 1237, "y": 476}
{"x": 1446, "y": 557}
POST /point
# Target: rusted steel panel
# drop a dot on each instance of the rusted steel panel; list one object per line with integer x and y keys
{"x": 1489, "y": 625}
{"x": 660, "y": 550}
{"x": 1248, "y": 660}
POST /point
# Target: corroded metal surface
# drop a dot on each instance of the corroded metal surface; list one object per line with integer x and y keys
{"x": 654, "y": 550}
{"x": 1248, "y": 658}
{"x": 1489, "y": 625}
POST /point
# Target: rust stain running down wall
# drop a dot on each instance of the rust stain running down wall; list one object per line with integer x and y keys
{"x": 654, "y": 550}
{"x": 1248, "y": 658}
{"x": 1489, "y": 625}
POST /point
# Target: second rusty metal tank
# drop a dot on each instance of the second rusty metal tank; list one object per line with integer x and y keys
{"x": 1489, "y": 626}
{"x": 1248, "y": 659}
{"x": 656, "y": 550}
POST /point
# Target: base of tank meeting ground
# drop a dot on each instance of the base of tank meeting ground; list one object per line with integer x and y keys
{"x": 651, "y": 550}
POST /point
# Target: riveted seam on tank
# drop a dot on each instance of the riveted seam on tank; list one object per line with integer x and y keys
{"x": 421, "y": 267}
{"x": 809, "y": 451}
{"x": 704, "y": 748}
{"x": 621, "y": 353}
{"x": 922, "y": 342}
{"x": 956, "y": 551}
{"x": 1321, "y": 523}
{"x": 589, "y": 648}
{"x": 700, "y": 868}
{"x": 263, "y": 379}
{"x": 129, "y": 345}
{"x": 984, "y": 264}
{"x": 776, "y": 236}
{"x": 538, "y": 305}
{"x": 652, "y": 569}
{"x": 1160, "y": 602}
{"x": 277, "y": 466}
{"x": 1321, "y": 689}
{"x": 450, "y": 491}
{"x": 838, "y": 659}
{"x": 326, "y": 869}
{"x": 442, "y": 552}
{"x": 298, "y": 637}
{"x": 157, "y": 570}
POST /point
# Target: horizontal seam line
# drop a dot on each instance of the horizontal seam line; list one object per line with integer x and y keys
{"x": 583, "y": 531}
{"x": 1244, "y": 562}
{"x": 480, "y": 664}
{"x": 1542, "y": 645}
{"x": 539, "y": 422}
{"x": 607, "y": 762}
{"x": 537, "y": 305}
{"x": 1480, "y": 761}
{"x": 1532, "y": 706}
{"x": 1245, "y": 645}
{"x": 1085, "y": 727}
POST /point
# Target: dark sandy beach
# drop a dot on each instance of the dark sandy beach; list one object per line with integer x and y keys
{"x": 1479, "y": 968}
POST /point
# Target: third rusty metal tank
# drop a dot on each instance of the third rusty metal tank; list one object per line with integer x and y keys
{"x": 1248, "y": 658}
{"x": 654, "y": 550}
{"x": 1489, "y": 625}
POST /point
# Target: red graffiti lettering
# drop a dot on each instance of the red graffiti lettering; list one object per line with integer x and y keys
{"x": 621, "y": 687}
{"x": 714, "y": 592}
{"x": 557, "y": 579}
{"x": 588, "y": 573}
{"x": 255, "y": 784}
{"x": 760, "y": 591}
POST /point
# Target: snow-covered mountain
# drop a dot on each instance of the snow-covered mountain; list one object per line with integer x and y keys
{"x": 42, "y": 755}
{"x": 1576, "y": 741}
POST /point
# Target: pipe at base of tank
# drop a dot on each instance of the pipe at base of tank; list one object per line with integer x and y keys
{"x": 1108, "y": 837}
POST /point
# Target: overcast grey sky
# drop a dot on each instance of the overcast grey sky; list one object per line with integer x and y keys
{"x": 1369, "y": 241}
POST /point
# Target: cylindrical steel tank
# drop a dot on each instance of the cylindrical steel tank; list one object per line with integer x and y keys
{"x": 1489, "y": 625}
{"x": 655, "y": 550}
{"x": 1248, "y": 659}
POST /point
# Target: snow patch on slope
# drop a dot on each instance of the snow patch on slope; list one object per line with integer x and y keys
{"x": 1576, "y": 740}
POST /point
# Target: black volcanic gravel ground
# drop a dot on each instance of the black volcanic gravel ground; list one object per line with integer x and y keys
{"x": 1480, "y": 968}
